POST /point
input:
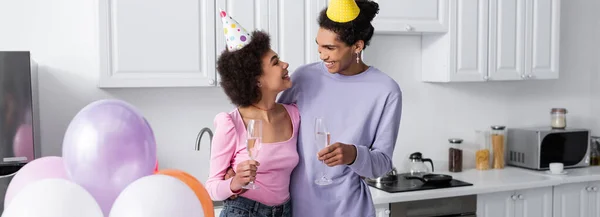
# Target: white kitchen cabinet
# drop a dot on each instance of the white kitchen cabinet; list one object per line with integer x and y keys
{"x": 382, "y": 210}
{"x": 594, "y": 198}
{"x": 494, "y": 40}
{"x": 577, "y": 200}
{"x": 496, "y": 205}
{"x": 157, "y": 43}
{"x": 506, "y": 37}
{"x": 461, "y": 54}
{"x": 542, "y": 38}
{"x": 536, "y": 202}
{"x": 176, "y": 44}
{"x": 408, "y": 16}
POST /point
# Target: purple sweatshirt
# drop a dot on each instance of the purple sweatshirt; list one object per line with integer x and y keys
{"x": 363, "y": 110}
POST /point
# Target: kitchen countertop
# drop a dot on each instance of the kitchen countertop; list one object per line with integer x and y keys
{"x": 489, "y": 181}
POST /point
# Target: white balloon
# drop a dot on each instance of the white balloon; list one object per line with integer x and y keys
{"x": 53, "y": 198}
{"x": 157, "y": 196}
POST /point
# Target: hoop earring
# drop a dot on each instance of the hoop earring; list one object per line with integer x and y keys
{"x": 259, "y": 84}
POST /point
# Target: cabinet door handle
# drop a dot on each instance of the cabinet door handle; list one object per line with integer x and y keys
{"x": 409, "y": 28}
{"x": 211, "y": 81}
{"x": 523, "y": 76}
{"x": 595, "y": 189}
{"x": 521, "y": 197}
{"x": 387, "y": 212}
{"x": 514, "y": 197}
{"x": 588, "y": 188}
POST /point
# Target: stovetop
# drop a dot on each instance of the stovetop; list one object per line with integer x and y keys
{"x": 404, "y": 185}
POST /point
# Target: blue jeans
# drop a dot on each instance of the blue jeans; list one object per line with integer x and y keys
{"x": 244, "y": 207}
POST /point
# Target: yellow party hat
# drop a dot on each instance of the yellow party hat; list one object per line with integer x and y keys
{"x": 342, "y": 11}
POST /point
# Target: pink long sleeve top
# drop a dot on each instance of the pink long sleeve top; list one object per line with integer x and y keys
{"x": 277, "y": 160}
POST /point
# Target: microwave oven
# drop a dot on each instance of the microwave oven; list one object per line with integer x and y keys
{"x": 536, "y": 148}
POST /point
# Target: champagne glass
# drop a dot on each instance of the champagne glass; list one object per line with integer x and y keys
{"x": 322, "y": 139}
{"x": 253, "y": 144}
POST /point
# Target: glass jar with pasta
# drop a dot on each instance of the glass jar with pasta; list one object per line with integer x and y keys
{"x": 498, "y": 135}
{"x": 482, "y": 155}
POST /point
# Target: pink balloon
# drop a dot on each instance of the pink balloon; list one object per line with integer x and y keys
{"x": 23, "y": 142}
{"x": 36, "y": 170}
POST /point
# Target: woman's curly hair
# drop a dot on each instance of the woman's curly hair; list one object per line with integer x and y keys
{"x": 240, "y": 70}
{"x": 358, "y": 29}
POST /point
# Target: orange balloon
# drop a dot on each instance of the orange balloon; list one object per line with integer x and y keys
{"x": 196, "y": 186}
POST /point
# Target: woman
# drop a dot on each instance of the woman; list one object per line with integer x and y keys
{"x": 251, "y": 76}
{"x": 361, "y": 106}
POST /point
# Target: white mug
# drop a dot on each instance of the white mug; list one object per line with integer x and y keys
{"x": 556, "y": 168}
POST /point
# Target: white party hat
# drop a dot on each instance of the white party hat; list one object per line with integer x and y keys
{"x": 235, "y": 35}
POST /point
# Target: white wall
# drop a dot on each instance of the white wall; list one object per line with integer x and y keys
{"x": 62, "y": 37}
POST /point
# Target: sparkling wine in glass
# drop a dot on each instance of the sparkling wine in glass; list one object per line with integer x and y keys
{"x": 322, "y": 139}
{"x": 253, "y": 144}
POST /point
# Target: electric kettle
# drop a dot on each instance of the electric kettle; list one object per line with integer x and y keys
{"x": 417, "y": 164}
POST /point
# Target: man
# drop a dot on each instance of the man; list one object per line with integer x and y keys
{"x": 361, "y": 107}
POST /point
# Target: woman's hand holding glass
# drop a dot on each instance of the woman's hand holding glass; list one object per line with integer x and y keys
{"x": 246, "y": 173}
